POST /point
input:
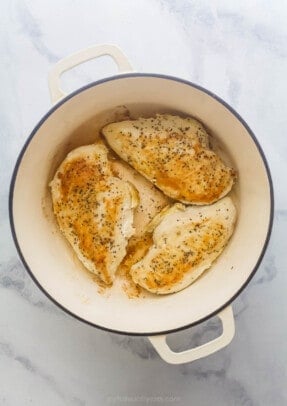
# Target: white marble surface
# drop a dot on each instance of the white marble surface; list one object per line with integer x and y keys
{"x": 239, "y": 51}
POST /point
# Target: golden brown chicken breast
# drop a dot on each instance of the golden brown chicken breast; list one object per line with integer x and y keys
{"x": 173, "y": 153}
{"x": 94, "y": 209}
{"x": 184, "y": 243}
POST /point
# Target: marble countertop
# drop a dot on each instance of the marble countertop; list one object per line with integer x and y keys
{"x": 239, "y": 51}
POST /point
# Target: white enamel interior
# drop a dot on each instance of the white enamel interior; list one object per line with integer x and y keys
{"x": 50, "y": 258}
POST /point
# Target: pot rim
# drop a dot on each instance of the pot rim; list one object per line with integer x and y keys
{"x": 108, "y": 79}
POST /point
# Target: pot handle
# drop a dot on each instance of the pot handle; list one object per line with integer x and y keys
{"x": 77, "y": 58}
{"x": 160, "y": 344}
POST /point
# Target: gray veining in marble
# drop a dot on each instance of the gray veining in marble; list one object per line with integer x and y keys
{"x": 239, "y": 51}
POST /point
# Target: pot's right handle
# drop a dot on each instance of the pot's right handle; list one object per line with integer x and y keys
{"x": 82, "y": 56}
{"x": 227, "y": 319}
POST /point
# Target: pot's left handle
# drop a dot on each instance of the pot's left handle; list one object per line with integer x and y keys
{"x": 83, "y": 56}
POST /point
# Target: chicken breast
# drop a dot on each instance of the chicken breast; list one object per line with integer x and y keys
{"x": 173, "y": 153}
{"x": 94, "y": 209}
{"x": 184, "y": 244}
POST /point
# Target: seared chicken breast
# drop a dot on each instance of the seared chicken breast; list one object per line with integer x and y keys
{"x": 185, "y": 242}
{"x": 174, "y": 154}
{"x": 94, "y": 209}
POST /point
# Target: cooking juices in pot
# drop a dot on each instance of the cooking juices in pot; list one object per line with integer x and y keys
{"x": 181, "y": 221}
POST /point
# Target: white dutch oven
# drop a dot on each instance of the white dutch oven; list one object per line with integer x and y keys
{"x": 73, "y": 121}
